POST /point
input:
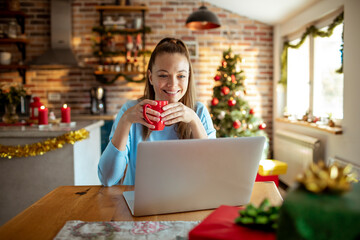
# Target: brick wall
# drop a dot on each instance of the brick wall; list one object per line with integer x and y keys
{"x": 249, "y": 38}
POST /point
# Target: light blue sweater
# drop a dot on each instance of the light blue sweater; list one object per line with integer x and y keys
{"x": 113, "y": 162}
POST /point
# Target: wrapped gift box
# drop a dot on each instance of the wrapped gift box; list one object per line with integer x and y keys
{"x": 306, "y": 215}
{"x": 220, "y": 224}
{"x": 269, "y": 170}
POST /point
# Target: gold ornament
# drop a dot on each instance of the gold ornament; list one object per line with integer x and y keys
{"x": 227, "y": 56}
{"x": 320, "y": 178}
{"x": 229, "y": 78}
{"x": 40, "y": 148}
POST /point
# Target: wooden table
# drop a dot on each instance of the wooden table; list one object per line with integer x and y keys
{"x": 45, "y": 218}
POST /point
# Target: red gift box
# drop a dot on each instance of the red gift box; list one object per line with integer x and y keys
{"x": 220, "y": 224}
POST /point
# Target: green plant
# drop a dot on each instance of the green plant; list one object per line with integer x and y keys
{"x": 11, "y": 94}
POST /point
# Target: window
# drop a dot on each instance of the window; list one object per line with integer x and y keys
{"x": 313, "y": 85}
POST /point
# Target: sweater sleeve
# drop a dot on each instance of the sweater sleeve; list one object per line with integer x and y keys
{"x": 113, "y": 162}
{"x": 205, "y": 119}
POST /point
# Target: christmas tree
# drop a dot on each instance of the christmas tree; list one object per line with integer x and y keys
{"x": 231, "y": 114}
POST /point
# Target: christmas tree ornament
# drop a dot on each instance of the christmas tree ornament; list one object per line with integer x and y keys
{"x": 221, "y": 116}
{"x": 225, "y": 75}
{"x": 262, "y": 126}
{"x": 251, "y": 111}
{"x": 250, "y": 126}
{"x": 229, "y": 79}
{"x": 225, "y": 90}
{"x": 236, "y": 124}
{"x": 233, "y": 79}
{"x": 239, "y": 94}
{"x": 243, "y": 112}
{"x": 217, "y": 78}
{"x": 227, "y": 57}
{"x": 214, "y": 101}
{"x": 231, "y": 102}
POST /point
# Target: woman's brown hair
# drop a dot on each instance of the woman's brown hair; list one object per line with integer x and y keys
{"x": 172, "y": 46}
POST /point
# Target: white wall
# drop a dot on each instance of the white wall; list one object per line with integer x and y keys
{"x": 347, "y": 145}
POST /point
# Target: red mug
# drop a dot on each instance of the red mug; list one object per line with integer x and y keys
{"x": 159, "y": 126}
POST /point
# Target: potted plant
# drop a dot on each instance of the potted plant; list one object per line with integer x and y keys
{"x": 10, "y": 96}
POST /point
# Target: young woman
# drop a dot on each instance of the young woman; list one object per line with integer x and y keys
{"x": 169, "y": 78}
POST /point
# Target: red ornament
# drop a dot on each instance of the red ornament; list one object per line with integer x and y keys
{"x": 217, "y": 78}
{"x": 251, "y": 111}
{"x": 236, "y": 124}
{"x": 214, "y": 101}
{"x": 262, "y": 126}
{"x": 225, "y": 90}
{"x": 231, "y": 102}
{"x": 233, "y": 79}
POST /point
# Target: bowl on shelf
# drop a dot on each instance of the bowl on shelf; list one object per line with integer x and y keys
{"x": 5, "y": 58}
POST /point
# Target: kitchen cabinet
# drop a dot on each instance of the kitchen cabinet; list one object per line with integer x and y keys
{"x": 20, "y": 42}
{"x": 120, "y": 48}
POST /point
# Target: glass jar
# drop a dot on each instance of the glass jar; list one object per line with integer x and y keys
{"x": 12, "y": 29}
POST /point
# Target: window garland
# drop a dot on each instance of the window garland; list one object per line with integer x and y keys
{"x": 313, "y": 31}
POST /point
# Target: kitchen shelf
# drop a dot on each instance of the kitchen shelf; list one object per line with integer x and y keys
{"x": 109, "y": 31}
{"x": 20, "y": 42}
{"x": 116, "y": 8}
{"x": 114, "y": 73}
{"x": 14, "y": 40}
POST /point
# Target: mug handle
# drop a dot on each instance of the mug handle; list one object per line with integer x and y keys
{"x": 144, "y": 113}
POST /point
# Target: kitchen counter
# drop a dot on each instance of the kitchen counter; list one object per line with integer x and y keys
{"x": 48, "y": 131}
{"x": 24, "y": 180}
{"x": 108, "y": 116}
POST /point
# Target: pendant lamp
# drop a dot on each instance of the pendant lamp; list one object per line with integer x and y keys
{"x": 202, "y": 19}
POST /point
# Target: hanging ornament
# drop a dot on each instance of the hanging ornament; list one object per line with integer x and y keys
{"x": 229, "y": 78}
{"x": 227, "y": 56}
{"x": 236, "y": 124}
{"x": 239, "y": 94}
{"x": 231, "y": 102}
{"x": 262, "y": 126}
{"x": 243, "y": 112}
{"x": 214, "y": 101}
{"x": 251, "y": 111}
{"x": 233, "y": 79}
{"x": 224, "y": 64}
{"x": 225, "y": 90}
{"x": 250, "y": 126}
{"x": 217, "y": 78}
{"x": 221, "y": 116}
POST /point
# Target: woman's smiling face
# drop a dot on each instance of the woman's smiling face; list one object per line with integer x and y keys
{"x": 169, "y": 76}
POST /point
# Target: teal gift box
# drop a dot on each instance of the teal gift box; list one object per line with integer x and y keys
{"x": 306, "y": 215}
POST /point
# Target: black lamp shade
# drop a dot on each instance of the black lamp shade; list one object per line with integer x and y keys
{"x": 202, "y": 19}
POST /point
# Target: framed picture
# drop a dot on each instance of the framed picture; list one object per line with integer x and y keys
{"x": 193, "y": 48}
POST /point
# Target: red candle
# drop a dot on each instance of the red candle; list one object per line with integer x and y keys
{"x": 65, "y": 114}
{"x": 43, "y": 115}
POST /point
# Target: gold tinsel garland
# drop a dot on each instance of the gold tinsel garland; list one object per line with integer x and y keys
{"x": 321, "y": 178}
{"x": 40, "y": 148}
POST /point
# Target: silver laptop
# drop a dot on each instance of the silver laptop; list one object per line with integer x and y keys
{"x": 187, "y": 175}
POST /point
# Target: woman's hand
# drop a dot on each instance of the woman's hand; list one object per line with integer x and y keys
{"x": 177, "y": 112}
{"x": 135, "y": 114}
